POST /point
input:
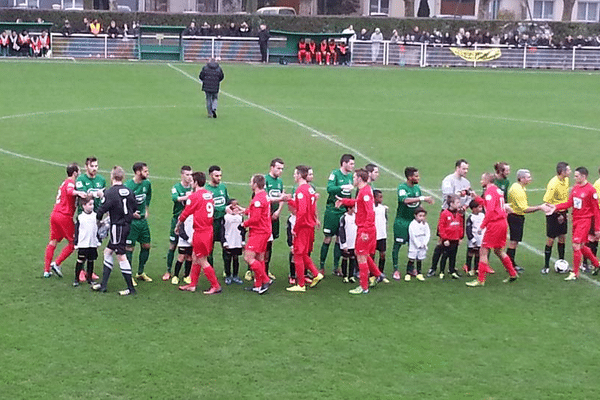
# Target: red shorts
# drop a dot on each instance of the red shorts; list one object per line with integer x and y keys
{"x": 366, "y": 242}
{"x": 61, "y": 227}
{"x": 581, "y": 229}
{"x": 304, "y": 239}
{"x": 202, "y": 243}
{"x": 495, "y": 235}
{"x": 257, "y": 243}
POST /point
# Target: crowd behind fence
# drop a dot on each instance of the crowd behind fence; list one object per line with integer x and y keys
{"x": 199, "y": 49}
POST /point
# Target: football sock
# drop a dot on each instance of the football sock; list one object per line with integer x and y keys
{"x": 106, "y": 273}
{"x": 587, "y": 253}
{"x": 143, "y": 258}
{"x": 48, "y": 257}
{"x": 395, "y": 251}
{"x": 381, "y": 262}
{"x": 547, "y": 255}
{"x": 299, "y": 261}
{"x": 469, "y": 260}
{"x": 170, "y": 258}
{"x": 482, "y": 269}
{"x": 188, "y": 268}
{"x": 345, "y": 267}
{"x": 268, "y": 256}
{"x": 576, "y": 261}
{"x": 292, "y": 266}
{"x": 177, "y": 269}
{"x": 508, "y": 265}
{"x": 309, "y": 265}
{"x": 227, "y": 259}
{"x": 410, "y": 265}
{"x": 477, "y": 261}
{"x": 195, "y": 274}
{"x": 594, "y": 247}
{"x": 322, "y": 258}
{"x": 78, "y": 268}
{"x": 236, "y": 265}
{"x": 90, "y": 270}
{"x": 257, "y": 268}
{"x": 419, "y": 265}
{"x": 337, "y": 254}
{"x": 211, "y": 276}
{"x": 364, "y": 275}
{"x": 125, "y": 267}
{"x": 372, "y": 267}
{"x": 561, "y": 250}
{"x": 352, "y": 266}
{"x": 129, "y": 282}
{"x": 65, "y": 253}
{"x": 511, "y": 254}
{"x": 437, "y": 253}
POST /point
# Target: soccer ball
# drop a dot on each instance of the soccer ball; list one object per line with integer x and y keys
{"x": 561, "y": 266}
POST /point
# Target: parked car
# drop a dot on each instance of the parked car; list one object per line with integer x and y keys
{"x": 276, "y": 11}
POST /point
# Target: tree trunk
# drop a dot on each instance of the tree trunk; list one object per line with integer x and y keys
{"x": 409, "y": 8}
{"x": 484, "y": 7}
{"x": 567, "y": 9}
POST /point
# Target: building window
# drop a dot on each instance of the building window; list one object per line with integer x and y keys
{"x": 379, "y": 7}
{"x": 157, "y": 5}
{"x": 207, "y": 6}
{"x": 543, "y": 10}
{"x": 494, "y": 8}
{"x": 587, "y": 11}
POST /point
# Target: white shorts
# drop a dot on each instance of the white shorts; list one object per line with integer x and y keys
{"x": 417, "y": 254}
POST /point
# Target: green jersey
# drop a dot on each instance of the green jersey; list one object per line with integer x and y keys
{"x": 220, "y": 197}
{"x": 143, "y": 194}
{"x": 90, "y": 185}
{"x": 503, "y": 184}
{"x": 407, "y": 211}
{"x": 274, "y": 188}
{"x": 334, "y": 188}
{"x": 177, "y": 191}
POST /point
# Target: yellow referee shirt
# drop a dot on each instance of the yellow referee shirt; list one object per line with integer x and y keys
{"x": 557, "y": 191}
{"x": 597, "y": 186}
{"x": 517, "y": 198}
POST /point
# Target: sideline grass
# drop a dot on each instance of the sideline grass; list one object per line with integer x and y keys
{"x": 433, "y": 340}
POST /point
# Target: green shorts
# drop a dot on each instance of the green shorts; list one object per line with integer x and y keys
{"x": 401, "y": 230}
{"x": 173, "y": 237}
{"x": 275, "y": 228}
{"x": 331, "y": 222}
{"x": 139, "y": 232}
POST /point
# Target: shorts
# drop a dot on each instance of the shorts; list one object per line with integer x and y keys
{"x": 275, "y": 229}
{"x": 234, "y": 252}
{"x": 515, "y": 225}
{"x": 303, "y": 241}
{"x": 331, "y": 222}
{"x": 417, "y": 254}
{"x": 366, "y": 246}
{"x": 581, "y": 229}
{"x": 495, "y": 235}
{"x": 202, "y": 243}
{"x": 61, "y": 227}
{"x": 139, "y": 232}
{"x": 381, "y": 245}
{"x": 218, "y": 226}
{"x": 118, "y": 238}
{"x": 173, "y": 237}
{"x": 554, "y": 228}
{"x": 257, "y": 242}
{"x": 186, "y": 251}
{"x": 401, "y": 230}
{"x": 90, "y": 253}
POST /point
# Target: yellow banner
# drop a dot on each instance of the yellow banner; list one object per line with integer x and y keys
{"x": 477, "y": 55}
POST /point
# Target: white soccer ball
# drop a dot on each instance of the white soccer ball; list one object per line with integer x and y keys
{"x": 561, "y": 266}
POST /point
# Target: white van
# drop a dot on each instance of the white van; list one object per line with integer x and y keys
{"x": 276, "y": 11}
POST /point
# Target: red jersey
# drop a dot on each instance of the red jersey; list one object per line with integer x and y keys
{"x": 44, "y": 41}
{"x": 365, "y": 208}
{"x": 493, "y": 202}
{"x": 65, "y": 199}
{"x": 312, "y": 47}
{"x": 323, "y": 48}
{"x": 259, "y": 214}
{"x": 202, "y": 206}
{"x": 4, "y": 40}
{"x": 305, "y": 204}
{"x": 451, "y": 225}
{"x": 584, "y": 201}
{"x": 301, "y": 46}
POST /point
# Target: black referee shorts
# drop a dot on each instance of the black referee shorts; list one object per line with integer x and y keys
{"x": 554, "y": 226}
{"x": 516, "y": 224}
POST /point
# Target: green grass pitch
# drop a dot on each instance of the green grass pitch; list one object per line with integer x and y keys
{"x": 535, "y": 339}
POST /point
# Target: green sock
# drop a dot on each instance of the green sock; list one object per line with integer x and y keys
{"x": 395, "y": 252}
{"x": 324, "y": 251}
{"x": 144, "y": 255}
{"x": 170, "y": 258}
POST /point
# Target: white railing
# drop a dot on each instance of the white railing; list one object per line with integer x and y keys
{"x": 362, "y": 52}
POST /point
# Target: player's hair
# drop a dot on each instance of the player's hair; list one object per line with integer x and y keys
{"x": 376, "y": 192}
{"x": 489, "y": 177}
{"x": 85, "y": 200}
{"x": 561, "y": 167}
{"x": 213, "y": 168}
{"x": 303, "y": 171}
{"x": 362, "y": 174}
{"x": 420, "y": 210}
{"x": 370, "y": 167}
{"x": 72, "y": 168}
{"x": 499, "y": 166}
{"x": 275, "y": 161}
{"x": 199, "y": 178}
{"x": 231, "y": 200}
{"x": 459, "y": 162}
{"x": 451, "y": 198}
{"x": 185, "y": 168}
{"x": 474, "y": 204}
{"x": 259, "y": 180}
{"x": 117, "y": 173}
{"x": 138, "y": 166}
{"x": 582, "y": 171}
{"x": 90, "y": 160}
{"x": 345, "y": 158}
{"x": 410, "y": 171}
{"x": 522, "y": 173}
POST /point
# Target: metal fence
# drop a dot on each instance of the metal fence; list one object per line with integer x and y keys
{"x": 362, "y": 52}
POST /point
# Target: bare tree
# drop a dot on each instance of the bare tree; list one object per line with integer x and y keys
{"x": 409, "y": 8}
{"x": 567, "y": 9}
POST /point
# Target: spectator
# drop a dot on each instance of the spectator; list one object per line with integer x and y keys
{"x": 4, "y": 44}
{"x": 95, "y": 28}
{"x": 113, "y": 31}
{"x": 191, "y": 30}
{"x": 44, "y": 43}
{"x": 67, "y": 30}
{"x": 263, "y": 42}
{"x": 416, "y": 35}
{"x": 468, "y": 40}
{"x": 495, "y": 40}
{"x": 135, "y": 28}
{"x": 232, "y": 31}
{"x": 487, "y": 38}
{"x": 447, "y": 39}
{"x": 395, "y": 37}
{"x": 24, "y": 43}
{"x": 363, "y": 35}
{"x": 35, "y": 47}
{"x": 218, "y": 32}
{"x": 349, "y": 31}
{"x": 244, "y": 29}
{"x": 376, "y": 39}
{"x": 86, "y": 25}
{"x": 14, "y": 44}
{"x": 205, "y": 29}
{"x": 343, "y": 54}
{"x": 40, "y": 20}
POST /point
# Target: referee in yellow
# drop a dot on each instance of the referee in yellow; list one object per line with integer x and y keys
{"x": 517, "y": 198}
{"x": 557, "y": 192}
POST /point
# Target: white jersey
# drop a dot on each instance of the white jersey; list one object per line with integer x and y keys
{"x": 347, "y": 233}
{"x": 188, "y": 227}
{"x": 472, "y": 229}
{"x": 87, "y": 231}
{"x": 233, "y": 236}
{"x": 418, "y": 238}
{"x": 381, "y": 221}
{"x": 453, "y": 185}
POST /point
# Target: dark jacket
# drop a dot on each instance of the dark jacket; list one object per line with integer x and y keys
{"x": 211, "y": 76}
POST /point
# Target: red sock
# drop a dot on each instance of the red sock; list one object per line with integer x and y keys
{"x": 372, "y": 267}
{"x": 65, "y": 253}
{"x": 48, "y": 258}
{"x": 508, "y": 265}
{"x": 587, "y": 253}
{"x": 482, "y": 269}
{"x": 259, "y": 270}
{"x": 308, "y": 264}
{"x": 195, "y": 274}
{"x": 364, "y": 275}
{"x": 299, "y": 263}
{"x": 576, "y": 260}
{"x": 211, "y": 276}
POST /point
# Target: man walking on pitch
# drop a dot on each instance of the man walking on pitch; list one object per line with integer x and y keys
{"x": 120, "y": 203}
{"x": 211, "y": 76}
